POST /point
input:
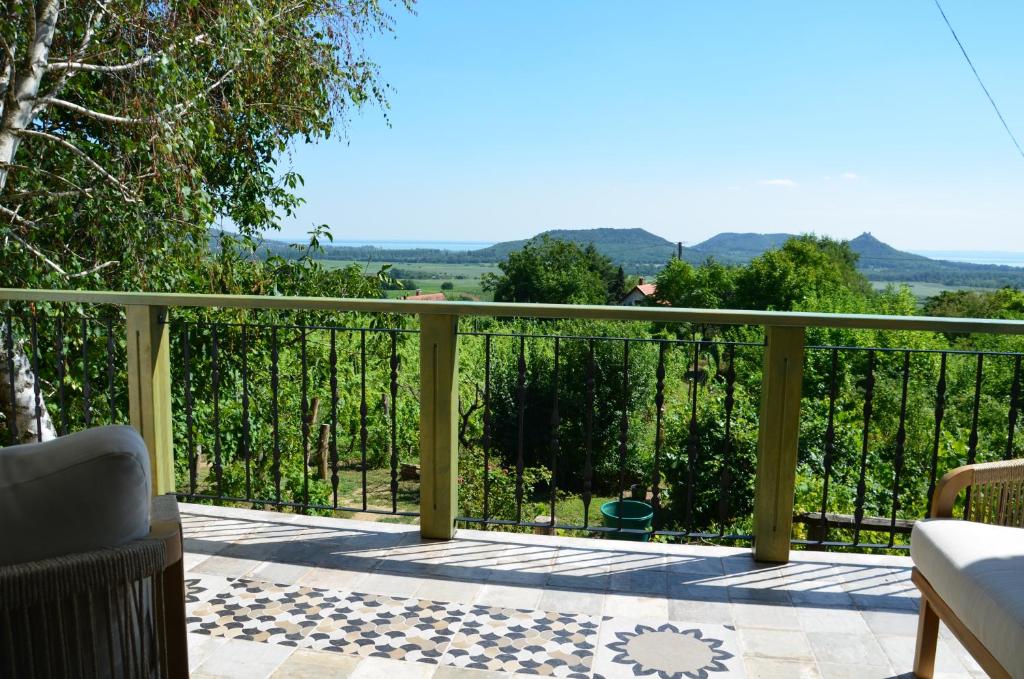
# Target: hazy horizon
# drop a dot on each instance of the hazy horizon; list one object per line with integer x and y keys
{"x": 686, "y": 120}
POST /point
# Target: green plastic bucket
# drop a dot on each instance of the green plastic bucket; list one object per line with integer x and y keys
{"x": 627, "y": 514}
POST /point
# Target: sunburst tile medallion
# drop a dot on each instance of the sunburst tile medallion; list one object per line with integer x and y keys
{"x": 666, "y": 650}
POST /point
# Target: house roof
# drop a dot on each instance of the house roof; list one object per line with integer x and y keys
{"x": 647, "y": 289}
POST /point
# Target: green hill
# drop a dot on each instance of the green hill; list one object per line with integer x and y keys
{"x": 642, "y": 252}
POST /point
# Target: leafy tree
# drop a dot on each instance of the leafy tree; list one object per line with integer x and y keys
{"x": 708, "y": 286}
{"x": 447, "y": 285}
{"x": 554, "y": 272}
{"x": 127, "y": 130}
{"x": 803, "y": 271}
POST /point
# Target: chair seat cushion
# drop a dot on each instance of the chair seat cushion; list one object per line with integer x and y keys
{"x": 74, "y": 494}
{"x": 978, "y": 570}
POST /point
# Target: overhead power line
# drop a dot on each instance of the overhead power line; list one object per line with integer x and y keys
{"x": 978, "y": 77}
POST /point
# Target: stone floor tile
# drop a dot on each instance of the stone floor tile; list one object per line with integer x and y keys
{"x": 450, "y": 672}
{"x": 831, "y": 671}
{"x": 381, "y": 668}
{"x": 279, "y": 573}
{"x": 900, "y": 651}
{"x": 332, "y": 578}
{"x": 458, "y": 591}
{"x": 390, "y": 584}
{"x": 847, "y": 649}
{"x": 636, "y": 607}
{"x": 511, "y": 596}
{"x": 307, "y": 664}
{"x": 648, "y": 583}
{"x": 200, "y": 647}
{"x": 239, "y": 659}
{"x": 841, "y": 620}
{"x": 570, "y": 601}
{"x": 774, "y": 643}
{"x": 691, "y": 563}
{"x": 770, "y": 668}
{"x": 719, "y": 612}
{"x": 226, "y": 566}
{"x": 773, "y": 616}
{"x": 628, "y": 649}
{"x": 891, "y": 623}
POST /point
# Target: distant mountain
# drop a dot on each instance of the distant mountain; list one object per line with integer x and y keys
{"x": 642, "y": 252}
{"x": 737, "y": 248}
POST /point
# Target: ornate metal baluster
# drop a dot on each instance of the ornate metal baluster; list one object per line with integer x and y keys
{"x": 901, "y": 445}
{"x": 588, "y": 465}
{"x": 246, "y": 426}
{"x": 304, "y": 413}
{"x": 555, "y": 422}
{"x": 940, "y": 413}
{"x": 363, "y": 431}
{"x": 624, "y": 421}
{"x": 36, "y": 386}
{"x": 725, "y": 480}
{"x": 275, "y": 420}
{"x": 218, "y": 467}
{"x": 972, "y": 440}
{"x": 12, "y": 425}
{"x": 659, "y": 433}
{"x": 1014, "y": 406}
{"x": 830, "y": 442}
{"x": 521, "y": 413}
{"x": 334, "y": 416}
{"x": 394, "y": 421}
{"x": 487, "y": 429}
{"x": 86, "y": 382}
{"x": 110, "y": 370}
{"x": 61, "y": 376}
{"x": 190, "y": 444}
{"x": 869, "y": 394}
{"x": 692, "y": 439}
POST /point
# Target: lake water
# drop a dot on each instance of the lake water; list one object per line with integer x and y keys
{"x": 1004, "y": 258}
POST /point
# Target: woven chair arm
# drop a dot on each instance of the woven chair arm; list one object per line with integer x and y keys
{"x": 954, "y": 481}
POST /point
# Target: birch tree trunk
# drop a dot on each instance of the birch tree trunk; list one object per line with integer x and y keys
{"x": 19, "y": 404}
{"x": 20, "y": 103}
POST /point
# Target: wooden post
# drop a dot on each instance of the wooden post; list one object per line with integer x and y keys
{"x": 439, "y": 410}
{"x": 149, "y": 388}
{"x": 777, "y": 438}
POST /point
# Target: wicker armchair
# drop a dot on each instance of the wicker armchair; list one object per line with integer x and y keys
{"x": 971, "y": 573}
{"x": 113, "y": 612}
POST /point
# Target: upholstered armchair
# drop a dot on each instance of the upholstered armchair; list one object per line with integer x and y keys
{"x": 91, "y": 573}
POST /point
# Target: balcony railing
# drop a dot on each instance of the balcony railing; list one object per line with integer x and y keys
{"x": 328, "y": 405}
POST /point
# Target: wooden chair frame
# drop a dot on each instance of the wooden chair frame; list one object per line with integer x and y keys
{"x": 933, "y": 608}
{"x": 165, "y": 525}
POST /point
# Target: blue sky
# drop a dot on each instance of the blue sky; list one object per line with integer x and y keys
{"x": 687, "y": 119}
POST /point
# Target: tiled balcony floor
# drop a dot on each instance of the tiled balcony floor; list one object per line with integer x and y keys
{"x": 282, "y": 595}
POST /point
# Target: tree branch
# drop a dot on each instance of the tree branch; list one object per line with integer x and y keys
{"x": 98, "y": 115}
{"x": 16, "y": 218}
{"x": 100, "y": 68}
{"x": 98, "y": 267}
{"x": 125, "y": 191}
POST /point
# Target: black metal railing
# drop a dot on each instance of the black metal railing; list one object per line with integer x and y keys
{"x": 601, "y": 419}
{"x": 295, "y": 413}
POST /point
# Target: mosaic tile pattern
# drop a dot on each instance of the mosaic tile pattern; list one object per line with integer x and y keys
{"x": 525, "y": 641}
{"x": 667, "y": 651}
{"x": 416, "y": 630}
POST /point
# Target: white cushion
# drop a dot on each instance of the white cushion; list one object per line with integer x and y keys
{"x": 73, "y": 494}
{"x": 978, "y": 570}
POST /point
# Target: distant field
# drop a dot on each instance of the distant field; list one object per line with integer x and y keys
{"x": 423, "y": 270}
{"x": 428, "y": 277}
{"x": 922, "y": 290}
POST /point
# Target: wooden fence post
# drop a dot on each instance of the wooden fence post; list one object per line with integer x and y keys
{"x": 777, "y": 438}
{"x": 439, "y": 410}
{"x": 149, "y": 388}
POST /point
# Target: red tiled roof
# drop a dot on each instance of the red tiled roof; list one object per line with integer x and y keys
{"x": 647, "y": 289}
{"x": 428, "y": 297}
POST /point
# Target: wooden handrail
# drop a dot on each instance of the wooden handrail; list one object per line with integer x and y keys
{"x": 508, "y": 310}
